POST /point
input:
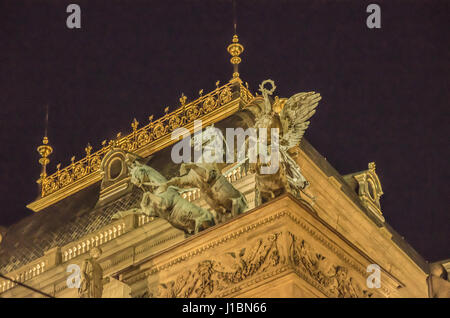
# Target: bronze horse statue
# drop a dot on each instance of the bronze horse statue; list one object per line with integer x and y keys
{"x": 218, "y": 192}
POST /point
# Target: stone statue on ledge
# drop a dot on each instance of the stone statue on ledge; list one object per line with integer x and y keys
{"x": 91, "y": 285}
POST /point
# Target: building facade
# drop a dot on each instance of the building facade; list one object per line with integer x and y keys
{"x": 307, "y": 231}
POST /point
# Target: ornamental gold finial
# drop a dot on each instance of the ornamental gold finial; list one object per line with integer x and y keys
{"x": 88, "y": 149}
{"x": 45, "y": 151}
{"x": 183, "y": 99}
{"x": 235, "y": 49}
{"x": 134, "y": 124}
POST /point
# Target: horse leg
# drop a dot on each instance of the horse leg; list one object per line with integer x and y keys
{"x": 221, "y": 213}
{"x": 197, "y": 225}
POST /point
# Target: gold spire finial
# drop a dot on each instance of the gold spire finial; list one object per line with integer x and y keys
{"x": 235, "y": 49}
{"x": 45, "y": 151}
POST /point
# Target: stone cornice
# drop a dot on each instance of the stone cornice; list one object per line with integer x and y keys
{"x": 134, "y": 275}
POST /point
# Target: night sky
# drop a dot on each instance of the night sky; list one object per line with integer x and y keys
{"x": 385, "y": 91}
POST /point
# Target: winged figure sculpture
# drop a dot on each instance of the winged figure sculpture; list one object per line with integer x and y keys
{"x": 291, "y": 117}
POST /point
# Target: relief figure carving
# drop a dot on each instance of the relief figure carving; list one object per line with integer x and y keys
{"x": 212, "y": 276}
{"x": 334, "y": 279}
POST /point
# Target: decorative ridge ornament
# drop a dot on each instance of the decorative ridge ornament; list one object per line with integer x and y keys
{"x": 45, "y": 150}
{"x": 235, "y": 49}
{"x": 209, "y": 107}
{"x": 183, "y": 99}
{"x": 264, "y": 90}
{"x": 204, "y": 106}
{"x": 369, "y": 190}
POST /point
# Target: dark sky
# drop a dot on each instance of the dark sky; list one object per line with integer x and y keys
{"x": 385, "y": 91}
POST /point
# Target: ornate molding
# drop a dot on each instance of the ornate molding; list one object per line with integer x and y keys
{"x": 370, "y": 191}
{"x": 204, "y": 248}
{"x": 249, "y": 228}
{"x": 332, "y": 279}
{"x": 211, "y": 276}
{"x": 346, "y": 261}
{"x": 215, "y": 277}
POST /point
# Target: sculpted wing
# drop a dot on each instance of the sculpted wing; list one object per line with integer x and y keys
{"x": 295, "y": 116}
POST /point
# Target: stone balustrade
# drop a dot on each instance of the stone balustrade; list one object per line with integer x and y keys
{"x": 70, "y": 251}
{"x": 23, "y": 274}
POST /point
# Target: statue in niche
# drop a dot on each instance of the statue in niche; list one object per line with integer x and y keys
{"x": 162, "y": 200}
{"x": 91, "y": 285}
{"x": 206, "y": 175}
{"x": 290, "y": 117}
